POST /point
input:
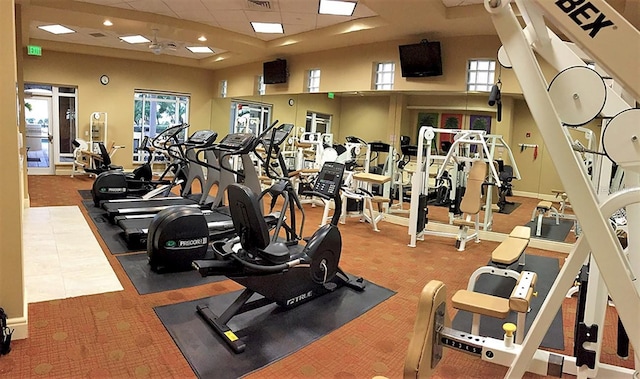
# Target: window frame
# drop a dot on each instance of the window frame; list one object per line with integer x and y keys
{"x": 313, "y": 80}
{"x": 181, "y": 102}
{"x": 479, "y": 78}
{"x": 383, "y": 71}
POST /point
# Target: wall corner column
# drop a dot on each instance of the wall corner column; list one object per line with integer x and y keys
{"x": 12, "y": 292}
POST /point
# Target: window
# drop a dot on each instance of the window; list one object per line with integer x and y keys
{"x": 480, "y": 74}
{"x": 384, "y": 75}
{"x": 154, "y": 112}
{"x": 223, "y": 88}
{"x": 261, "y": 88}
{"x": 58, "y": 119}
{"x": 318, "y": 123}
{"x": 249, "y": 117}
{"x": 313, "y": 84}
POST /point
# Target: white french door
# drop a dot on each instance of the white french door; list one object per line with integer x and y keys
{"x": 39, "y": 135}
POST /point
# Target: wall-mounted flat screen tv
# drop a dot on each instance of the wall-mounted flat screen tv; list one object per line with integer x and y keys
{"x": 420, "y": 60}
{"x": 275, "y": 72}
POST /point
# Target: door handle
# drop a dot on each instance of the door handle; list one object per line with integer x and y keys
{"x": 50, "y": 137}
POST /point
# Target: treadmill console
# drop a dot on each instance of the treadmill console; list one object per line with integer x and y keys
{"x": 278, "y": 135}
{"x": 238, "y": 143}
{"x": 203, "y": 138}
{"x": 329, "y": 179}
{"x": 379, "y": 147}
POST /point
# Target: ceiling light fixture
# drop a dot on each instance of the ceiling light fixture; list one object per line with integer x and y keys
{"x": 202, "y": 38}
{"x": 267, "y": 27}
{"x": 337, "y": 8}
{"x": 200, "y": 49}
{"x": 107, "y": 23}
{"x": 56, "y": 29}
{"x": 134, "y": 39}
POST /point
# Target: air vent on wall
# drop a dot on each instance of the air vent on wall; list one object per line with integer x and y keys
{"x": 97, "y": 35}
{"x": 259, "y": 4}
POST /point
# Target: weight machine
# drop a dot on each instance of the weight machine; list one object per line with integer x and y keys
{"x": 576, "y": 96}
{"x": 459, "y": 153}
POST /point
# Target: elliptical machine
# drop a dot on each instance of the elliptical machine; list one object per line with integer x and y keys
{"x": 287, "y": 274}
{"x": 116, "y": 184}
{"x": 181, "y": 234}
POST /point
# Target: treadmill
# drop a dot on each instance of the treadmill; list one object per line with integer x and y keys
{"x": 119, "y": 207}
{"x": 136, "y": 227}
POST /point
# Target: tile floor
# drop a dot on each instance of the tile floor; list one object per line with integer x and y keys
{"x": 62, "y": 257}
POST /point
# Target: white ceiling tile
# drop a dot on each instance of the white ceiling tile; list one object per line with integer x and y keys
{"x": 230, "y": 16}
{"x": 325, "y": 20}
{"x": 299, "y": 18}
{"x": 263, "y": 16}
{"x": 224, "y": 4}
{"x": 151, "y": 6}
{"x": 186, "y": 5}
{"x": 291, "y": 29}
{"x": 299, "y": 6}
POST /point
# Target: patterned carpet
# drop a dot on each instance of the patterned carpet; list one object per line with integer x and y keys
{"x": 119, "y": 335}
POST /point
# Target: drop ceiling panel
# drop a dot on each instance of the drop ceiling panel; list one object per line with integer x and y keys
{"x": 152, "y": 6}
{"x": 224, "y": 4}
{"x": 299, "y": 19}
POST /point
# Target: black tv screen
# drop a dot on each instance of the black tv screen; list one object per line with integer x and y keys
{"x": 420, "y": 60}
{"x": 275, "y": 72}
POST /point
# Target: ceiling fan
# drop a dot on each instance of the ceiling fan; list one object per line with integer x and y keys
{"x": 157, "y": 47}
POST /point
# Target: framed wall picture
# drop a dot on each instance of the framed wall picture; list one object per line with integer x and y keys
{"x": 425, "y": 119}
{"x": 448, "y": 121}
{"x": 479, "y": 122}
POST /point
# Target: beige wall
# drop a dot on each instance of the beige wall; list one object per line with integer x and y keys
{"x": 351, "y": 69}
{"x": 367, "y": 114}
{"x": 116, "y": 98}
{"x": 12, "y": 296}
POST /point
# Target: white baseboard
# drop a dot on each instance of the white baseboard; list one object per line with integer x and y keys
{"x": 20, "y": 325}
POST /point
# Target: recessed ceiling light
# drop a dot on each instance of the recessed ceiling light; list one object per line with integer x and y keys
{"x": 202, "y": 38}
{"x": 56, "y": 29}
{"x": 337, "y": 8}
{"x": 107, "y": 23}
{"x": 134, "y": 39}
{"x": 199, "y": 49}
{"x": 267, "y": 27}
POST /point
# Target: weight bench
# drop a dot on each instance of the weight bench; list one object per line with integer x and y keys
{"x": 480, "y": 304}
{"x": 542, "y": 209}
{"x": 471, "y": 205}
{"x": 510, "y": 251}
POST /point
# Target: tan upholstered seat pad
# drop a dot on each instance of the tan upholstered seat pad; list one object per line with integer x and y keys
{"x": 521, "y": 232}
{"x": 509, "y": 250}
{"x": 476, "y": 302}
{"x": 544, "y": 204}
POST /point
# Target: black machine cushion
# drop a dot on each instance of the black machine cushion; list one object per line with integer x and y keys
{"x": 250, "y": 225}
{"x": 248, "y": 221}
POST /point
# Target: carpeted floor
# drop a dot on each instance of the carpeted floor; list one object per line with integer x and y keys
{"x": 119, "y": 334}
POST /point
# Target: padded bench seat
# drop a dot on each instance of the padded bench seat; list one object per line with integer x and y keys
{"x": 480, "y": 303}
{"x": 509, "y": 250}
{"x": 544, "y": 205}
{"x": 462, "y": 222}
{"x": 521, "y": 232}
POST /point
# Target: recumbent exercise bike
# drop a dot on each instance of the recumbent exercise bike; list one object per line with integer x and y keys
{"x": 288, "y": 274}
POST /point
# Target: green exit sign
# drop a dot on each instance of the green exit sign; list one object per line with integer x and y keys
{"x": 34, "y": 50}
{"x": 330, "y": 95}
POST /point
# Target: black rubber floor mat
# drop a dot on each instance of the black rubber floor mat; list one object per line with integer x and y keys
{"x": 146, "y": 281}
{"x": 270, "y": 332}
{"x": 547, "y": 270}
{"x": 549, "y": 230}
